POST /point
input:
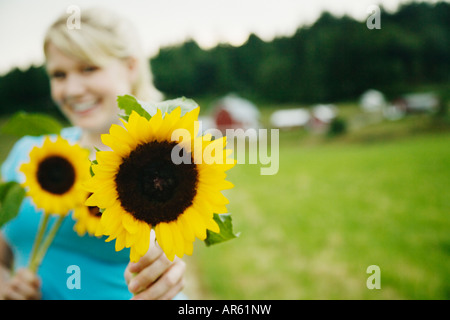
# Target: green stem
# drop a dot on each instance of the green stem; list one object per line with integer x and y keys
{"x": 47, "y": 242}
{"x": 38, "y": 240}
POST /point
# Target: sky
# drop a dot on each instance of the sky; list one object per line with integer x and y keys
{"x": 162, "y": 23}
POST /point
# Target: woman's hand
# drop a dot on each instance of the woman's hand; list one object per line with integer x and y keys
{"x": 24, "y": 285}
{"x": 154, "y": 277}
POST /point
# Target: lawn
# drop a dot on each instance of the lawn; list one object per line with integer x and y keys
{"x": 334, "y": 209}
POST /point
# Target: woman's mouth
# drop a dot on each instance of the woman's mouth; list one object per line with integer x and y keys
{"x": 84, "y": 108}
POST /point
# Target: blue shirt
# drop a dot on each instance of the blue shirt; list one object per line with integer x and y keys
{"x": 88, "y": 261}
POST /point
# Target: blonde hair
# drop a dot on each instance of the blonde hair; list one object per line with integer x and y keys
{"x": 102, "y": 36}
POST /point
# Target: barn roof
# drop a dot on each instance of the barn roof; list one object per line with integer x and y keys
{"x": 240, "y": 109}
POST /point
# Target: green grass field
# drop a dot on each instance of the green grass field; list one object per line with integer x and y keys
{"x": 333, "y": 209}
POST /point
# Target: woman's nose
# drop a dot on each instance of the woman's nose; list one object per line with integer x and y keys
{"x": 74, "y": 86}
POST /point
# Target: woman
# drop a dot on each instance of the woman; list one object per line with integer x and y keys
{"x": 88, "y": 68}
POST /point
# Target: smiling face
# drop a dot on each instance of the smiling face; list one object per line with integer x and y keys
{"x": 86, "y": 93}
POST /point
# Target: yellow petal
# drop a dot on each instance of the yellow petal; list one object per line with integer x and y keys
{"x": 122, "y": 149}
{"x": 130, "y": 223}
{"x": 139, "y": 128}
{"x": 213, "y": 196}
{"x": 177, "y": 239}
{"x": 143, "y": 243}
{"x": 97, "y": 200}
{"x": 120, "y": 241}
{"x": 212, "y": 225}
{"x": 108, "y": 158}
{"x": 197, "y": 223}
{"x": 134, "y": 255}
{"x": 155, "y": 123}
{"x": 111, "y": 221}
{"x": 188, "y": 248}
{"x": 164, "y": 237}
{"x": 168, "y": 124}
{"x": 186, "y": 229}
{"x": 190, "y": 122}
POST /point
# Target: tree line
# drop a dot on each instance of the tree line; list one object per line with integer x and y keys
{"x": 334, "y": 59}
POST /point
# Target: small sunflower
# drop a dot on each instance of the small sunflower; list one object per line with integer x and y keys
{"x": 88, "y": 220}
{"x": 55, "y": 174}
{"x": 140, "y": 187}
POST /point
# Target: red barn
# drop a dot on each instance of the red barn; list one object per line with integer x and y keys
{"x": 233, "y": 112}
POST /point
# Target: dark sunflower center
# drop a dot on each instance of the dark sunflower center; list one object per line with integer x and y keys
{"x": 151, "y": 187}
{"x": 95, "y": 211}
{"x": 56, "y": 175}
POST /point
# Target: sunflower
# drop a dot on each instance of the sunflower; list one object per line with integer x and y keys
{"x": 140, "y": 187}
{"x": 88, "y": 220}
{"x": 54, "y": 176}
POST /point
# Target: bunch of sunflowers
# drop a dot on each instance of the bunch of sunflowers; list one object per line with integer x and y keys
{"x": 135, "y": 187}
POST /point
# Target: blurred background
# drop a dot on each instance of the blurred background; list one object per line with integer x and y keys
{"x": 364, "y": 150}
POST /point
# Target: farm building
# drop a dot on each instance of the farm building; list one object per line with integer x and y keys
{"x": 290, "y": 118}
{"x": 234, "y": 112}
{"x": 417, "y": 102}
{"x": 372, "y": 101}
{"x": 321, "y": 117}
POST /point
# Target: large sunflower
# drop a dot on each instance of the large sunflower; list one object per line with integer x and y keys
{"x": 140, "y": 187}
{"x": 55, "y": 174}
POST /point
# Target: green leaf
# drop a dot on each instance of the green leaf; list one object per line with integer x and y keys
{"x": 11, "y": 196}
{"x": 226, "y": 230}
{"x": 129, "y": 103}
{"x": 168, "y": 106}
{"x": 93, "y": 163}
{"x": 31, "y": 124}
{"x": 148, "y": 109}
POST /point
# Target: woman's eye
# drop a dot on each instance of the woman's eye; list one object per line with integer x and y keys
{"x": 89, "y": 69}
{"x": 58, "y": 75}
